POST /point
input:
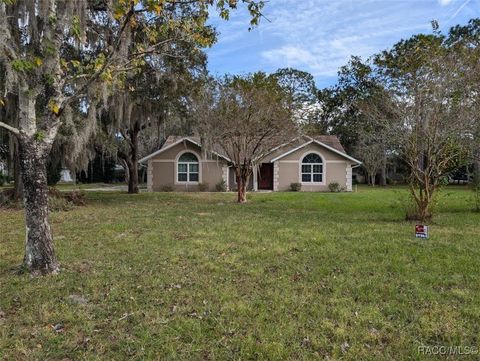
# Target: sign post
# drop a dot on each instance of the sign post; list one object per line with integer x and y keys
{"x": 421, "y": 231}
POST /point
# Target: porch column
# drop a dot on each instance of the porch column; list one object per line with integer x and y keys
{"x": 225, "y": 177}
{"x": 255, "y": 178}
{"x": 349, "y": 177}
{"x": 275, "y": 176}
{"x": 150, "y": 176}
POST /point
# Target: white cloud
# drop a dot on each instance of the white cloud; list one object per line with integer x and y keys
{"x": 292, "y": 55}
{"x": 319, "y": 36}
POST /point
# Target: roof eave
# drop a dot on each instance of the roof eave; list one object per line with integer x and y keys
{"x": 161, "y": 150}
{"x": 312, "y": 140}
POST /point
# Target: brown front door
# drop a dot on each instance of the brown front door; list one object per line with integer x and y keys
{"x": 265, "y": 176}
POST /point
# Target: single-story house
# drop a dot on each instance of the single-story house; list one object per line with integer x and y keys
{"x": 315, "y": 162}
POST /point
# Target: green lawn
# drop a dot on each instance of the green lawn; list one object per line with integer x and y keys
{"x": 289, "y": 276}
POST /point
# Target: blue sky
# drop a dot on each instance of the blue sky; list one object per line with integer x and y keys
{"x": 319, "y": 36}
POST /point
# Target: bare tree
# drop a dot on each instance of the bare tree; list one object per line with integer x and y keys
{"x": 379, "y": 135}
{"x": 424, "y": 79}
{"x": 370, "y": 150}
{"x": 464, "y": 40}
{"x": 243, "y": 118}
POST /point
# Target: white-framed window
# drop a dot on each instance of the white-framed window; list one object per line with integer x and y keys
{"x": 188, "y": 168}
{"x": 312, "y": 169}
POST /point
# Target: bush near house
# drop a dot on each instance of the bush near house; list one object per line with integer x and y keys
{"x": 203, "y": 186}
{"x": 221, "y": 186}
{"x": 335, "y": 187}
{"x": 167, "y": 188}
{"x": 296, "y": 187}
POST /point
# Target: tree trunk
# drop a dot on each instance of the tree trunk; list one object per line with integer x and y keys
{"x": 122, "y": 156}
{"x": 133, "y": 177}
{"x": 17, "y": 174}
{"x": 476, "y": 172}
{"x": 242, "y": 191}
{"x": 383, "y": 171}
{"x": 423, "y": 197}
{"x": 423, "y": 210}
{"x": 39, "y": 251}
{"x": 131, "y": 159}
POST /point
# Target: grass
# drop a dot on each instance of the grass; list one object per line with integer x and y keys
{"x": 289, "y": 276}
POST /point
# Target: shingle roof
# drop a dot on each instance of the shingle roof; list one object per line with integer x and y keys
{"x": 175, "y": 138}
{"x": 329, "y": 140}
{"x": 172, "y": 139}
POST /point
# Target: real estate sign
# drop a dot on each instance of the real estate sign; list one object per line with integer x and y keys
{"x": 421, "y": 231}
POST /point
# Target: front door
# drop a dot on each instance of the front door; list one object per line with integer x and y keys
{"x": 265, "y": 176}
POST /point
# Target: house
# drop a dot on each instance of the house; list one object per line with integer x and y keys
{"x": 315, "y": 162}
{"x": 66, "y": 176}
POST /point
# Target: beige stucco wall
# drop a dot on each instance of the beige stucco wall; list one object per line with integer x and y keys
{"x": 212, "y": 173}
{"x": 334, "y": 168}
{"x": 172, "y": 153}
{"x": 284, "y": 148}
{"x": 232, "y": 185}
{"x": 327, "y": 154}
{"x": 164, "y": 169}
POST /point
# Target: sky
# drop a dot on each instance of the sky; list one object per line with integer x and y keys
{"x": 319, "y": 36}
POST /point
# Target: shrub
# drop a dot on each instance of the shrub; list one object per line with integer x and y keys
{"x": 334, "y": 187}
{"x": 221, "y": 186}
{"x": 57, "y": 200}
{"x": 7, "y": 199}
{"x": 56, "y": 204}
{"x": 2, "y": 179}
{"x": 77, "y": 198}
{"x": 203, "y": 186}
{"x": 444, "y": 181}
{"x": 295, "y": 187}
{"x": 54, "y": 192}
{"x": 65, "y": 201}
{"x": 166, "y": 188}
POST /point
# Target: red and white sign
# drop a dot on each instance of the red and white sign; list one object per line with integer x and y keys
{"x": 421, "y": 231}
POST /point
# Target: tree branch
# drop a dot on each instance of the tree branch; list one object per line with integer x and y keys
{"x": 104, "y": 66}
{"x": 9, "y": 48}
{"x": 10, "y": 128}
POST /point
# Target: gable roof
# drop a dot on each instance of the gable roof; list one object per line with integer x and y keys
{"x": 330, "y": 142}
{"x": 173, "y": 140}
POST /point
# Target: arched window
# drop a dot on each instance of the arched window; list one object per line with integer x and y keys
{"x": 312, "y": 168}
{"x": 187, "y": 168}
